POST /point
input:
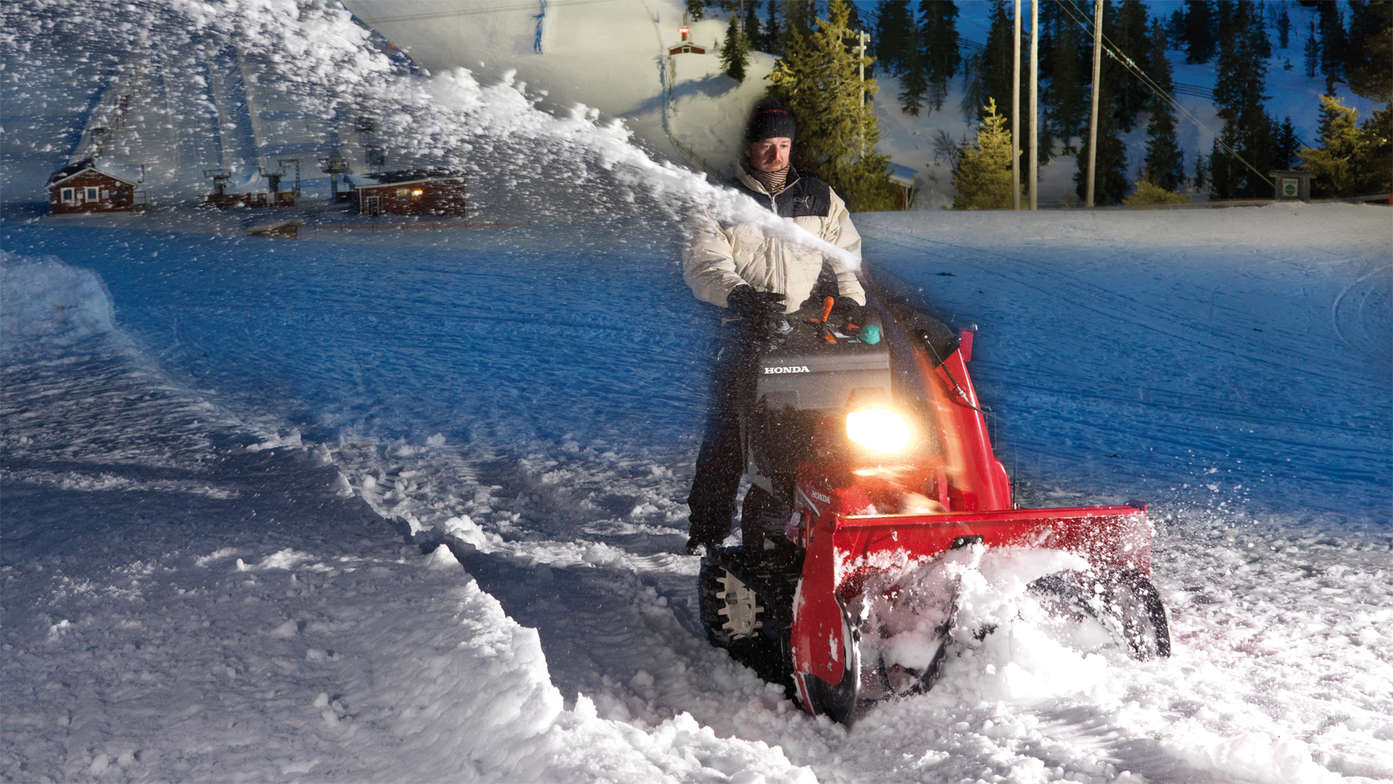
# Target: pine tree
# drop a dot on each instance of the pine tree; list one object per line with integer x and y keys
{"x": 1332, "y": 42}
{"x": 1286, "y": 146}
{"x": 990, "y": 76}
{"x": 1128, "y": 32}
{"x": 894, "y": 34}
{"x": 696, "y": 10}
{"x": 1110, "y": 184}
{"x": 735, "y": 51}
{"x": 818, "y": 77}
{"x": 982, "y": 176}
{"x": 1165, "y": 161}
{"x": 1066, "y": 98}
{"x": 1284, "y": 28}
{"x": 773, "y": 32}
{"x": 913, "y": 84}
{"x": 1333, "y": 164}
{"x": 1199, "y": 31}
{"x": 749, "y": 24}
{"x": 938, "y": 46}
{"x": 1312, "y": 52}
{"x": 800, "y": 16}
{"x": 1244, "y": 148}
{"x": 1375, "y": 166}
{"x": 1369, "y": 55}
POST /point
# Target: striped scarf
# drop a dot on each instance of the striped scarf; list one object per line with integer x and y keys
{"x": 773, "y": 181}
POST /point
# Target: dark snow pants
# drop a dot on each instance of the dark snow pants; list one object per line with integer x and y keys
{"x": 721, "y": 461}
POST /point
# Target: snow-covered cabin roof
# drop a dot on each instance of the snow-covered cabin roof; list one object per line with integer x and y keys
{"x": 106, "y": 169}
{"x": 405, "y": 177}
{"x": 902, "y": 175}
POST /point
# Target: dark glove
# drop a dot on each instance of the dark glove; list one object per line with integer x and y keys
{"x": 847, "y": 312}
{"x": 751, "y": 304}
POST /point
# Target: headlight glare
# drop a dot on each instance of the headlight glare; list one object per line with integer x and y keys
{"x": 879, "y": 430}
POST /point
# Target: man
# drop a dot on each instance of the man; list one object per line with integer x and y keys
{"x": 754, "y": 275}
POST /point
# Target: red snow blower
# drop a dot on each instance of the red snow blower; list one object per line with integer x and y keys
{"x": 870, "y": 465}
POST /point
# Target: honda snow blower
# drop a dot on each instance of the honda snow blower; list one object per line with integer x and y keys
{"x": 869, "y": 467}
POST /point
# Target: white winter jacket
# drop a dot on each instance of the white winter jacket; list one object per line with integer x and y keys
{"x": 719, "y": 258}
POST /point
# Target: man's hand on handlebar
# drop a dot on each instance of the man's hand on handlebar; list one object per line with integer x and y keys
{"x": 754, "y": 305}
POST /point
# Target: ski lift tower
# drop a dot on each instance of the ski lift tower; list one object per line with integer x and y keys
{"x": 219, "y": 197}
{"x": 293, "y": 162}
{"x": 333, "y": 166}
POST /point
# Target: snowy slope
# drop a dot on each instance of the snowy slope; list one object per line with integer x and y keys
{"x": 207, "y": 493}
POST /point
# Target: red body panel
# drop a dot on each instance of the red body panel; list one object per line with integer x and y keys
{"x": 843, "y": 543}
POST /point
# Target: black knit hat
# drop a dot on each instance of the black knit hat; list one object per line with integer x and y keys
{"x": 769, "y": 119}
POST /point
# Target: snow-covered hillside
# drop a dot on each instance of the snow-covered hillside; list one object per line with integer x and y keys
{"x": 186, "y": 101}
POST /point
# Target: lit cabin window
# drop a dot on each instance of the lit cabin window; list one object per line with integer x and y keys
{"x": 417, "y": 193}
{"x": 403, "y": 191}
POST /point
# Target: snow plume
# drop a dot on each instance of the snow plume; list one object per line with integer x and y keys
{"x": 44, "y": 300}
{"x": 522, "y": 163}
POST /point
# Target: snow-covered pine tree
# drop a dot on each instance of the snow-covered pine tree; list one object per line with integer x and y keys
{"x": 735, "y": 50}
{"x": 819, "y": 78}
{"x": 982, "y": 176}
{"x": 696, "y": 9}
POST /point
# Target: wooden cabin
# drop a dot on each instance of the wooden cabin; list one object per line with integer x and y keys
{"x": 82, "y": 187}
{"x": 415, "y": 192}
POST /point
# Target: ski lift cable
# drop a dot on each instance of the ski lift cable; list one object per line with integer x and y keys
{"x": 1116, "y": 54}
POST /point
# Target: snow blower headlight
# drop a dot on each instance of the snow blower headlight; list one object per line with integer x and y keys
{"x": 882, "y": 431}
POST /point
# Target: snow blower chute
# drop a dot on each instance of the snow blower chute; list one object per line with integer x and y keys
{"x": 868, "y": 459}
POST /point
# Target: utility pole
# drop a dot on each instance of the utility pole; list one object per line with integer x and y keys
{"x": 1093, "y": 115}
{"x": 862, "y": 38}
{"x": 1016, "y": 112}
{"x": 1034, "y": 111}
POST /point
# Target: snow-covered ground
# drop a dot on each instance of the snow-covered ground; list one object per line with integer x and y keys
{"x": 222, "y": 457}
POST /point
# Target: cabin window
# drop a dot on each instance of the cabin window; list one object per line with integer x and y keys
{"x": 91, "y": 193}
{"x": 67, "y": 196}
{"x": 402, "y": 192}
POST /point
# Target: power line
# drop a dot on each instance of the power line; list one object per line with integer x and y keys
{"x": 1120, "y": 57}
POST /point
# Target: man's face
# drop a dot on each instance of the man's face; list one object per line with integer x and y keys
{"x": 769, "y": 154}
